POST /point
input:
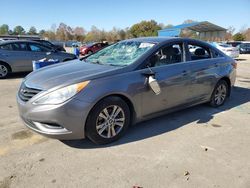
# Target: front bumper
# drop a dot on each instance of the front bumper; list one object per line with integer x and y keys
{"x": 64, "y": 121}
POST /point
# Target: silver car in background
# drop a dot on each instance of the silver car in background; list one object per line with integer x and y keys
{"x": 122, "y": 84}
{"x": 17, "y": 55}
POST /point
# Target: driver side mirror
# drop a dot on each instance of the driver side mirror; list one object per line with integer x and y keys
{"x": 154, "y": 85}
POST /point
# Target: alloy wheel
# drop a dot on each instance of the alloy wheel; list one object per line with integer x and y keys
{"x": 110, "y": 121}
{"x": 3, "y": 71}
{"x": 220, "y": 94}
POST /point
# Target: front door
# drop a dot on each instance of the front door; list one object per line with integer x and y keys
{"x": 173, "y": 76}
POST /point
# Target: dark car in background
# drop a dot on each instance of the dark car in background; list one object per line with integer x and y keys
{"x": 92, "y": 48}
{"x": 244, "y": 48}
{"x": 124, "y": 83}
{"x": 234, "y": 43}
{"x": 17, "y": 55}
{"x": 50, "y": 44}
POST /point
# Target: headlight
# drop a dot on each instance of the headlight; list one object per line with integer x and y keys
{"x": 61, "y": 95}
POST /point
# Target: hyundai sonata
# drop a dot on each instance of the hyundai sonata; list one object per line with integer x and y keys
{"x": 99, "y": 96}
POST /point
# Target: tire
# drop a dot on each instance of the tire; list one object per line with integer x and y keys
{"x": 4, "y": 71}
{"x": 219, "y": 94}
{"x": 102, "y": 127}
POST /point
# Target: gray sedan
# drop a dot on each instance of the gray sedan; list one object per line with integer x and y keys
{"x": 17, "y": 55}
{"x": 125, "y": 83}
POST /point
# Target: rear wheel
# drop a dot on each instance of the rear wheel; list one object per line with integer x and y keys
{"x": 108, "y": 120}
{"x": 4, "y": 70}
{"x": 220, "y": 94}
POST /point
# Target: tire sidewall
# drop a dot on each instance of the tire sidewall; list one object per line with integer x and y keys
{"x": 90, "y": 128}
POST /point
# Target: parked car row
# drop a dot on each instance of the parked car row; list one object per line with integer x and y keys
{"x": 244, "y": 46}
{"x": 227, "y": 49}
{"x": 17, "y": 55}
{"x": 92, "y": 48}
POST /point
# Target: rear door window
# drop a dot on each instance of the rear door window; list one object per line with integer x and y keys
{"x": 216, "y": 54}
{"x": 167, "y": 55}
{"x": 19, "y": 46}
{"x": 198, "y": 52}
{"x": 6, "y": 47}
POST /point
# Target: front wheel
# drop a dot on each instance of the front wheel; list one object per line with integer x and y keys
{"x": 220, "y": 94}
{"x": 108, "y": 120}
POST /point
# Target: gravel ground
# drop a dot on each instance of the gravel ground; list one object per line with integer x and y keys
{"x": 196, "y": 147}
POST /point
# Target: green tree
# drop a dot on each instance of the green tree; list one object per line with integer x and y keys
{"x": 50, "y": 35}
{"x": 4, "y": 29}
{"x": 145, "y": 29}
{"x": 19, "y": 30}
{"x": 32, "y": 31}
{"x": 42, "y": 32}
{"x": 238, "y": 37}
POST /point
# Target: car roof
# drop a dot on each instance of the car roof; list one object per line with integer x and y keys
{"x": 152, "y": 39}
{"x": 159, "y": 40}
{"x": 20, "y": 41}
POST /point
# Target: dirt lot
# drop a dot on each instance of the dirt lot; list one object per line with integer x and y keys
{"x": 197, "y": 147}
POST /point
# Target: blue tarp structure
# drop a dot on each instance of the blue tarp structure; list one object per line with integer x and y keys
{"x": 205, "y": 29}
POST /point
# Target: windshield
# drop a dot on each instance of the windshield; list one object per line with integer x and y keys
{"x": 120, "y": 54}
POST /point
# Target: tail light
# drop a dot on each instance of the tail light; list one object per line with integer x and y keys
{"x": 234, "y": 64}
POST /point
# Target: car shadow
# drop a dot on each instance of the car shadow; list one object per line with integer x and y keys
{"x": 240, "y": 59}
{"x": 200, "y": 114}
{"x": 17, "y": 75}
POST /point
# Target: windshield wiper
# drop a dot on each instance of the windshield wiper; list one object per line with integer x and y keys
{"x": 97, "y": 62}
{"x": 116, "y": 65}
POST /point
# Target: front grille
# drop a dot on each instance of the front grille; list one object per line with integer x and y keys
{"x": 25, "y": 93}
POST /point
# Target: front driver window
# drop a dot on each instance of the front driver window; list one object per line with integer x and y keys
{"x": 167, "y": 55}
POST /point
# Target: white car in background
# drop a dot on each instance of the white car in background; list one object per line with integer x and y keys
{"x": 227, "y": 49}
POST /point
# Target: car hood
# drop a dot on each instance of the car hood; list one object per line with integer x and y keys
{"x": 63, "y": 74}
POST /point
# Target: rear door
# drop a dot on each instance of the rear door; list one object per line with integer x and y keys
{"x": 204, "y": 70}
{"x": 16, "y": 55}
{"x": 172, "y": 73}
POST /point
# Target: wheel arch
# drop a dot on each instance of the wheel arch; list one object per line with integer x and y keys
{"x": 226, "y": 79}
{"x": 124, "y": 98}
